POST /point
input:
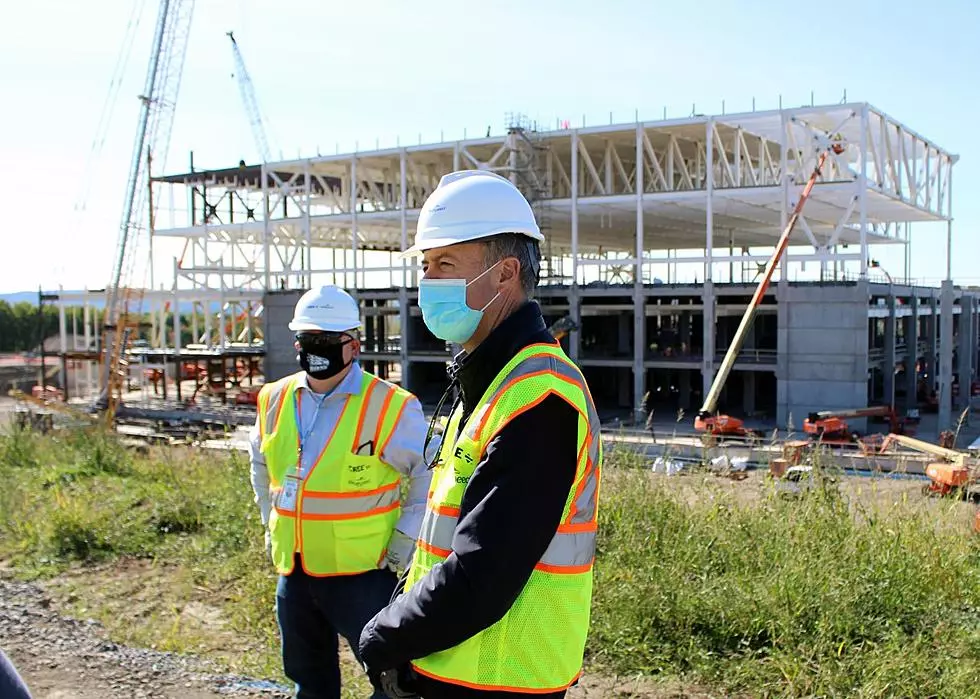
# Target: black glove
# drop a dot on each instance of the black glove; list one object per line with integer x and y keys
{"x": 396, "y": 683}
{"x": 399, "y": 684}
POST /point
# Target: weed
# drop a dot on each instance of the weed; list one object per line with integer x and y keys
{"x": 819, "y": 594}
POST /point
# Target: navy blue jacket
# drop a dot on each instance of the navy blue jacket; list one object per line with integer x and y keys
{"x": 510, "y": 511}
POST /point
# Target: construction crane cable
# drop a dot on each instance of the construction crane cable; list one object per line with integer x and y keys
{"x": 247, "y": 91}
{"x": 109, "y": 104}
{"x": 158, "y": 101}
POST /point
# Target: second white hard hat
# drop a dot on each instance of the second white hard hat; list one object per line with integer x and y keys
{"x": 469, "y": 205}
{"x": 327, "y": 308}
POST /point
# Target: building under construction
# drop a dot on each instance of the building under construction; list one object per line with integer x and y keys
{"x": 656, "y": 234}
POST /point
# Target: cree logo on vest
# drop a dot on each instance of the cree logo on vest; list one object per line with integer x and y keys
{"x": 462, "y": 480}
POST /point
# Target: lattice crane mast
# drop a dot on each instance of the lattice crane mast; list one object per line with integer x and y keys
{"x": 157, "y": 104}
{"x": 247, "y": 90}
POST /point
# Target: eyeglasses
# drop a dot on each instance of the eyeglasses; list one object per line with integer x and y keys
{"x": 322, "y": 339}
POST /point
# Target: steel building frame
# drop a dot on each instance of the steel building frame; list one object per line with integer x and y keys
{"x": 700, "y": 199}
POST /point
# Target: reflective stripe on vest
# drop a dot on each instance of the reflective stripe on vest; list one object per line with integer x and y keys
{"x": 539, "y": 644}
{"x": 347, "y": 505}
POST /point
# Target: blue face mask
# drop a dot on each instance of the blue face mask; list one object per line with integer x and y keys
{"x": 444, "y": 309}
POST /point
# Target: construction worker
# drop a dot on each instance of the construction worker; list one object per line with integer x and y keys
{"x": 331, "y": 447}
{"x": 497, "y": 596}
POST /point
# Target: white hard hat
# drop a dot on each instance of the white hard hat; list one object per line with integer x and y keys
{"x": 327, "y": 308}
{"x": 472, "y": 204}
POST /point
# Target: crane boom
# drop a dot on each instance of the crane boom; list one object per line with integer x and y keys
{"x": 247, "y": 91}
{"x": 157, "y": 104}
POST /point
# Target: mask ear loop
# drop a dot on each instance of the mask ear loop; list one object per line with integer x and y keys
{"x": 497, "y": 295}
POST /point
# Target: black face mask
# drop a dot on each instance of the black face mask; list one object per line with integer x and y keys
{"x": 321, "y": 355}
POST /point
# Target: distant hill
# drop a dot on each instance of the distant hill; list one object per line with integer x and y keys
{"x": 97, "y": 302}
{"x": 18, "y": 296}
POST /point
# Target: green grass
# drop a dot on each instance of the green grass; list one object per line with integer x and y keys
{"x": 814, "y": 596}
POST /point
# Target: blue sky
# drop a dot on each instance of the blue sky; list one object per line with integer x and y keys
{"x": 330, "y": 74}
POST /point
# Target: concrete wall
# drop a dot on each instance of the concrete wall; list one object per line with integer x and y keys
{"x": 823, "y": 350}
{"x": 280, "y": 355}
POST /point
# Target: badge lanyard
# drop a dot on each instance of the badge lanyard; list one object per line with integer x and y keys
{"x": 291, "y": 484}
{"x": 303, "y": 436}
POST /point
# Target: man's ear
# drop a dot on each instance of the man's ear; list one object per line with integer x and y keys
{"x": 355, "y": 347}
{"x": 510, "y": 270}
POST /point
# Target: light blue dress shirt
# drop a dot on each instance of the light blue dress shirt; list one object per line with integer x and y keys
{"x": 319, "y": 414}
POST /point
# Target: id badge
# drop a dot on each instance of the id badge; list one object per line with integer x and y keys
{"x": 287, "y": 496}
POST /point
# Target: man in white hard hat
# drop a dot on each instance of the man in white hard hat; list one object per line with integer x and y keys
{"x": 331, "y": 449}
{"x": 498, "y": 593}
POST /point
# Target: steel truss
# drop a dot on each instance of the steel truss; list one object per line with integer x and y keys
{"x": 708, "y": 192}
{"x": 701, "y": 200}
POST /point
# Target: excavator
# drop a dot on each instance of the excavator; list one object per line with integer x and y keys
{"x": 830, "y": 426}
{"x": 955, "y": 474}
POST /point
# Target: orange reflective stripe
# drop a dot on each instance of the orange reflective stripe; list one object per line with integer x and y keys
{"x": 368, "y": 404}
{"x": 355, "y": 513}
{"x": 503, "y": 390}
{"x": 435, "y": 551}
{"x": 391, "y": 433}
{"x": 379, "y": 423}
{"x": 499, "y": 688}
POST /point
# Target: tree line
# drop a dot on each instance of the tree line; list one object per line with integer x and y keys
{"x": 22, "y": 326}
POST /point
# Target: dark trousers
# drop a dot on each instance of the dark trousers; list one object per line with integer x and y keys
{"x": 11, "y": 684}
{"x": 433, "y": 689}
{"x": 314, "y": 612}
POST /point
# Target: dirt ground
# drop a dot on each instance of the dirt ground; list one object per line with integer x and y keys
{"x": 66, "y": 657}
{"x": 63, "y": 653}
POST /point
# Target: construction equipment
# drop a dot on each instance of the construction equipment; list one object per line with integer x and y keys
{"x": 956, "y": 474}
{"x": 247, "y": 91}
{"x": 39, "y": 415}
{"x": 706, "y": 420}
{"x": 830, "y": 426}
{"x": 561, "y": 327}
{"x": 158, "y": 102}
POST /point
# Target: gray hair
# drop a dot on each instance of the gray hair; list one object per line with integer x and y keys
{"x": 524, "y": 249}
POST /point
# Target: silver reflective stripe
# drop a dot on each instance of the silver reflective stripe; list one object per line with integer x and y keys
{"x": 362, "y": 505}
{"x": 276, "y": 396}
{"x": 437, "y": 530}
{"x": 570, "y": 549}
{"x": 586, "y": 500}
{"x": 377, "y": 392}
{"x": 585, "y": 504}
{"x": 573, "y": 550}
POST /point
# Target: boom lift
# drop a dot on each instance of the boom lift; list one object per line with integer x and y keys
{"x": 706, "y": 420}
{"x": 831, "y": 426}
{"x": 955, "y": 474}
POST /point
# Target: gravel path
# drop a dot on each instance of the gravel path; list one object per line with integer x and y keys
{"x": 65, "y": 658}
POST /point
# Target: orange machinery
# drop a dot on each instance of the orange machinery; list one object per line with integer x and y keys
{"x": 956, "y": 473}
{"x": 562, "y": 327}
{"x": 831, "y": 425}
{"x": 706, "y": 420}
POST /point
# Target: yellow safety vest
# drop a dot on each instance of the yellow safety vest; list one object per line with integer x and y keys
{"x": 539, "y": 643}
{"x": 342, "y": 515}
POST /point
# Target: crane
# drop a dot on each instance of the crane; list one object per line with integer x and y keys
{"x": 157, "y": 104}
{"x": 247, "y": 91}
{"x": 706, "y": 420}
